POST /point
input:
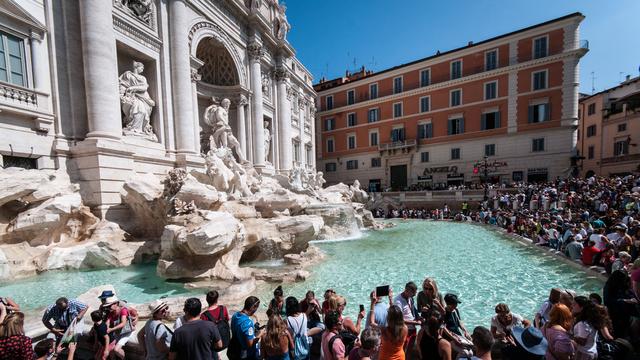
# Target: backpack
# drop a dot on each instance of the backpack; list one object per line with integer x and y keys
{"x": 348, "y": 339}
{"x": 223, "y": 326}
{"x": 234, "y": 351}
{"x": 300, "y": 341}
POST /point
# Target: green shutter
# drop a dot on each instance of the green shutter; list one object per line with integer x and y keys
{"x": 547, "y": 112}
{"x": 483, "y": 121}
{"x": 531, "y": 112}
{"x": 449, "y": 127}
{"x": 462, "y": 126}
{"x": 497, "y": 124}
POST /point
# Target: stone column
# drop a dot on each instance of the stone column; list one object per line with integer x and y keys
{"x": 302, "y": 112}
{"x": 181, "y": 76}
{"x": 242, "y": 127}
{"x": 40, "y": 61}
{"x": 255, "y": 55}
{"x": 312, "y": 119}
{"x": 195, "y": 77}
{"x": 100, "y": 69}
{"x": 284, "y": 118}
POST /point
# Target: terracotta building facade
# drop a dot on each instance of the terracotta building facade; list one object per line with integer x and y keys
{"x": 513, "y": 98}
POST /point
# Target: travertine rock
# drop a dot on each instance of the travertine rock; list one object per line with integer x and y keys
{"x": 149, "y": 209}
{"x": 339, "y": 220}
{"x": 203, "y": 196}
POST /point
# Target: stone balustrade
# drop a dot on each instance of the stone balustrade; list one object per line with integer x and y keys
{"x": 14, "y": 94}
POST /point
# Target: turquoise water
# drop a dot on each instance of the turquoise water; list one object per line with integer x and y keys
{"x": 139, "y": 282}
{"x": 480, "y": 265}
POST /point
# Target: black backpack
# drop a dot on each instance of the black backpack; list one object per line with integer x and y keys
{"x": 223, "y": 326}
{"x": 348, "y": 339}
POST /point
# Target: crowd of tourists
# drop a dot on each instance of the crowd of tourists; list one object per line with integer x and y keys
{"x": 414, "y": 324}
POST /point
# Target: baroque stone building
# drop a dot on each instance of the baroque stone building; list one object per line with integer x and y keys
{"x": 113, "y": 89}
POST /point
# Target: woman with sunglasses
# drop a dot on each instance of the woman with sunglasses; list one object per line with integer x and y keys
{"x": 430, "y": 299}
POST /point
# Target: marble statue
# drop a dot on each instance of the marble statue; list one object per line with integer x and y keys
{"x": 295, "y": 179}
{"x": 143, "y": 9}
{"x": 267, "y": 141}
{"x": 217, "y": 117}
{"x": 319, "y": 180}
{"x": 282, "y": 25}
{"x": 266, "y": 82}
{"x": 359, "y": 195}
{"x": 136, "y": 103}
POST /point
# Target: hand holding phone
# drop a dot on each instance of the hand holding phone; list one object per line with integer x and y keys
{"x": 361, "y": 308}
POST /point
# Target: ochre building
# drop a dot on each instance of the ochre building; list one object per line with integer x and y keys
{"x": 425, "y": 124}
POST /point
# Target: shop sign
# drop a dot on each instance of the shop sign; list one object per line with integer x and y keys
{"x": 533, "y": 171}
{"x": 425, "y": 177}
{"x": 440, "y": 169}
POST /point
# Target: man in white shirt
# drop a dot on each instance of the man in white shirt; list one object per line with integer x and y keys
{"x": 407, "y": 305}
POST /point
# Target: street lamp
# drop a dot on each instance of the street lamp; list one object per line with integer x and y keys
{"x": 485, "y": 166}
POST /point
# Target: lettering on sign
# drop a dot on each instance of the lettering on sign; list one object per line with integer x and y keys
{"x": 440, "y": 169}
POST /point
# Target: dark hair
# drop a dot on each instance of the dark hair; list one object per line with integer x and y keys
{"x": 96, "y": 315}
{"x": 43, "y": 347}
{"x": 596, "y": 298}
{"x": 310, "y": 292}
{"x": 411, "y": 286}
{"x": 62, "y": 300}
{"x": 292, "y": 306}
{"x": 617, "y": 284}
{"x": 331, "y": 319}
{"x": 212, "y": 297}
{"x": 278, "y": 291}
{"x": 250, "y": 302}
{"x": 433, "y": 324}
{"x": 192, "y": 307}
{"x": 594, "y": 315}
{"x": 482, "y": 338}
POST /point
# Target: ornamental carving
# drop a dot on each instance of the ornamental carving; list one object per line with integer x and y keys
{"x": 281, "y": 74}
{"x": 255, "y": 51}
{"x": 290, "y": 93}
{"x": 242, "y": 100}
{"x": 143, "y": 10}
{"x": 266, "y": 85}
{"x": 195, "y": 75}
{"x": 218, "y": 68}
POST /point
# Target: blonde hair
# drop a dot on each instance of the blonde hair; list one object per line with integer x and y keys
{"x": 276, "y": 328}
{"x": 432, "y": 282}
{"x": 560, "y": 315}
{"x": 335, "y": 301}
{"x": 12, "y": 325}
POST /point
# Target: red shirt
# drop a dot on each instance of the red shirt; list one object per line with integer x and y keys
{"x": 17, "y": 347}
{"x": 588, "y": 253}
{"x": 114, "y": 318}
{"x": 215, "y": 313}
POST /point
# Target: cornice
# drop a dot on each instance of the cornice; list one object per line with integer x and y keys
{"x": 451, "y": 83}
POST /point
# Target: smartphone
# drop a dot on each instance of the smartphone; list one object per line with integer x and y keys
{"x": 382, "y": 291}
{"x": 361, "y": 308}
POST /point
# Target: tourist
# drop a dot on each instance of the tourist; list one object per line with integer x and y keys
{"x": 155, "y": 337}
{"x": 276, "y": 342}
{"x": 556, "y": 331}
{"x": 394, "y": 335}
{"x": 63, "y": 313}
{"x": 297, "y": 325}
{"x": 339, "y": 303}
{"x": 589, "y": 321}
{"x": 195, "y": 339}
{"x": 599, "y": 239}
{"x": 378, "y": 311}
{"x": 454, "y": 328}
{"x": 530, "y": 345}
{"x": 482, "y": 343}
{"x": 430, "y": 299}
{"x": 9, "y": 304}
{"x": 105, "y": 309}
{"x": 276, "y": 306}
{"x": 369, "y": 345}
{"x": 103, "y": 341}
{"x": 405, "y": 302}
{"x": 590, "y": 253}
{"x": 622, "y": 262}
{"x": 243, "y": 329}
{"x": 325, "y": 304}
{"x": 44, "y": 349}
{"x": 431, "y": 344}
{"x": 635, "y": 278}
{"x": 332, "y": 346}
{"x": 14, "y": 344}
{"x": 503, "y": 323}
{"x": 542, "y": 316}
{"x": 218, "y": 315}
{"x": 119, "y": 323}
{"x": 621, "y": 302}
{"x": 573, "y": 249}
{"x": 310, "y": 306}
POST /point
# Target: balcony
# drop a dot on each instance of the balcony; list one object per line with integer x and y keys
{"x": 398, "y": 145}
{"x": 620, "y": 158}
{"x": 17, "y": 95}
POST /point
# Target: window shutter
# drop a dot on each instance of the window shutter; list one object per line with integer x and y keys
{"x": 547, "y": 112}
{"x": 449, "y": 125}
{"x": 462, "y": 126}
{"x": 497, "y": 121}
{"x": 531, "y": 113}
{"x": 429, "y": 130}
{"x": 483, "y": 122}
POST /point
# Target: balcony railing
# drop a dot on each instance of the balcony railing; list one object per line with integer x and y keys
{"x": 397, "y": 145}
{"x": 621, "y": 158}
{"x": 17, "y": 95}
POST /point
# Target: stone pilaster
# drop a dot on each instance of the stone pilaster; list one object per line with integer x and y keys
{"x": 241, "y": 133}
{"x": 284, "y": 118}
{"x": 255, "y": 51}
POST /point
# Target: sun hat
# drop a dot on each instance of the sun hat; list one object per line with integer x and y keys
{"x": 106, "y": 294}
{"x": 111, "y": 300}
{"x": 157, "y": 306}
{"x": 531, "y": 339}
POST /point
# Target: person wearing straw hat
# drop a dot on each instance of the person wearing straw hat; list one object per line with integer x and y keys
{"x": 155, "y": 337}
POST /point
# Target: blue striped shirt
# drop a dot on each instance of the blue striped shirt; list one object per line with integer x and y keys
{"x": 63, "y": 317}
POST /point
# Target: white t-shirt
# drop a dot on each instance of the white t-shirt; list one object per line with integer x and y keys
{"x": 406, "y": 306}
{"x": 544, "y": 311}
{"x": 583, "y": 330}
{"x": 516, "y": 321}
{"x": 153, "y": 331}
{"x": 597, "y": 238}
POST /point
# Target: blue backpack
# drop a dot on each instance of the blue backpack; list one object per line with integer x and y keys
{"x": 300, "y": 340}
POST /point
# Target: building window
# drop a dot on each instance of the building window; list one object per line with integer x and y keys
{"x": 591, "y": 109}
{"x": 329, "y": 102}
{"x": 424, "y": 103}
{"x": 591, "y": 131}
{"x": 309, "y": 154}
{"x": 373, "y": 138}
{"x": 455, "y": 126}
{"x": 351, "y": 142}
{"x": 591, "y": 152}
{"x": 397, "y": 109}
{"x": 490, "y": 150}
{"x": 621, "y": 147}
{"x": 455, "y": 154}
{"x": 539, "y": 113}
{"x": 517, "y": 175}
{"x": 397, "y": 85}
{"x": 425, "y": 77}
{"x": 373, "y": 91}
{"x": 19, "y": 162}
{"x": 540, "y": 47}
{"x": 352, "y": 120}
{"x": 352, "y": 164}
{"x": 330, "y": 167}
{"x": 455, "y": 98}
{"x": 425, "y": 131}
{"x": 329, "y": 124}
{"x": 622, "y": 127}
{"x": 373, "y": 115}
{"x": 397, "y": 134}
{"x": 12, "y": 60}
{"x": 491, "y": 60}
{"x": 456, "y": 69}
{"x": 490, "y": 121}
{"x": 424, "y": 156}
{"x": 490, "y": 90}
{"x": 330, "y": 146}
{"x": 351, "y": 97}
{"x": 537, "y": 145}
{"x": 296, "y": 151}
{"x": 540, "y": 80}
{"x": 376, "y": 162}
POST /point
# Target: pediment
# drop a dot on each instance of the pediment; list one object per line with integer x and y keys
{"x": 12, "y": 9}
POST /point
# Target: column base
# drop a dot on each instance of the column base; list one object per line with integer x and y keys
{"x": 189, "y": 161}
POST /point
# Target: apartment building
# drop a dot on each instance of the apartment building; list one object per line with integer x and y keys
{"x": 609, "y": 131}
{"x": 513, "y": 98}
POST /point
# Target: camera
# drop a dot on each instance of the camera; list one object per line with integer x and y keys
{"x": 257, "y": 327}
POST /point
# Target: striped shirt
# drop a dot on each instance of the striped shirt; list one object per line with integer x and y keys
{"x": 63, "y": 317}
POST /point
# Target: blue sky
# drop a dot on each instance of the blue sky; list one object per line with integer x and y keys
{"x": 329, "y": 34}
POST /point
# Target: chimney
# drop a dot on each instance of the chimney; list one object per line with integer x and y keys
{"x": 470, "y": 43}
{"x": 628, "y": 77}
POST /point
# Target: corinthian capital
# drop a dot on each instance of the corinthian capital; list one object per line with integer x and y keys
{"x": 281, "y": 73}
{"x": 195, "y": 75}
{"x": 255, "y": 50}
{"x": 242, "y": 100}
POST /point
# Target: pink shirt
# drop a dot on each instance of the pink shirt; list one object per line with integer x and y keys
{"x": 337, "y": 352}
